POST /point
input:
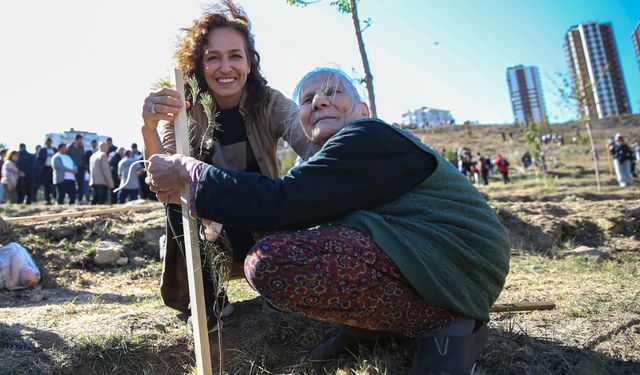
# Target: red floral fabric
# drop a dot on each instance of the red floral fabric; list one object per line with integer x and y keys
{"x": 339, "y": 275}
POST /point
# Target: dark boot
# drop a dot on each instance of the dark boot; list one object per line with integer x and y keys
{"x": 347, "y": 339}
{"x": 449, "y": 355}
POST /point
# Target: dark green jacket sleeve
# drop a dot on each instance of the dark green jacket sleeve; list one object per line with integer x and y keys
{"x": 363, "y": 166}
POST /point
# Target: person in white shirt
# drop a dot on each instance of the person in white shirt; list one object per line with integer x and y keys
{"x": 128, "y": 173}
{"x": 64, "y": 171}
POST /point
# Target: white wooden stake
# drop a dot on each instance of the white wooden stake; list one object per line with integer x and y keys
{"x": 192, "y": 248}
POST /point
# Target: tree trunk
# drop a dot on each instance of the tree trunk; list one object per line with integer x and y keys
{"x": 365, "y": 61}
{"x": 594, "y": 154}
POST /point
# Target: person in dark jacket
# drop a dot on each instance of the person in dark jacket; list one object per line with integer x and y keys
{"x": 27, "y": 167}
{"x": 114, "y": 159}
{"x": 483, "y": 165}
{"x": 376, "y": 231}
{"x": 76, "y": 152}
{"x": 622, "y": 158}
{"x": 46, "y": 176}
{"x": 111, "y": 147}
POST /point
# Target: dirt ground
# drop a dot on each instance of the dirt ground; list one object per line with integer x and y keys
{"x": 83, "y": 319}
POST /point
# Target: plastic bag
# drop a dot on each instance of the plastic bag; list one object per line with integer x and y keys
{"x": 17, "y": 268}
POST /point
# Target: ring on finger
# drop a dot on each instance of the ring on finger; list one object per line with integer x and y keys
{"x": 153, "y": 108}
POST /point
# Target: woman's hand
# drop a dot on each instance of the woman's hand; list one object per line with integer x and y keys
{"x": 164, "y": 104}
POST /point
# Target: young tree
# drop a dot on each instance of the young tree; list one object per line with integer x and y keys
{"x": 350, "y": 6}
{"x": 575, "y": 94}
{"x": 531, "y": 135}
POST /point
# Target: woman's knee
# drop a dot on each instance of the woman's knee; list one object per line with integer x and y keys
{"x": 259, "y": 265}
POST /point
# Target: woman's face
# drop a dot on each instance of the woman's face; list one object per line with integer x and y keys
{"x": 326, "y": 107}
{"x": 225, "y": 66}
{"x": 15, "y": 157}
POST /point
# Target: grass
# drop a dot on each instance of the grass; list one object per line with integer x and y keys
{"x": 9, "y": 338}
{"x": 132, "y": 238}
{"x": 114, "y": 353}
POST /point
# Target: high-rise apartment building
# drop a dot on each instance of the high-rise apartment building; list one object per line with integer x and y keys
{"x": 525, "y": 90}
{"x": 594, "y": 64}
{"x": 636, "y": 41}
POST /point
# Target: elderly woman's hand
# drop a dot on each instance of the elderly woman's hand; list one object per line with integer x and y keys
{"x": 168, "y": 174}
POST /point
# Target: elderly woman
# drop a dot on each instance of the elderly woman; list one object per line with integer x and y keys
{"x": 399, "y": 240}
{"x": 622, "y": 159}
{"x": 219, "y": 51}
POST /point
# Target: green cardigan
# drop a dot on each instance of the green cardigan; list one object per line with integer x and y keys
{"x": 445, "y": 239}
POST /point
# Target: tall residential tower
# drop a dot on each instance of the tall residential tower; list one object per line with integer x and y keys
{"x": 594, "y": 64}
{"x": 636, "y": 41}
{"x": 526, "y": 94}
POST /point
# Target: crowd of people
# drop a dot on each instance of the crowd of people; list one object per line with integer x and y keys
{"x": 79, "y": 172}
{"x": 478, "y": 170}
{"x": 625, "y": 159}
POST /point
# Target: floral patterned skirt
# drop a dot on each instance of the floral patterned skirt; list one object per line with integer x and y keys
{"x": 339, "y": 275}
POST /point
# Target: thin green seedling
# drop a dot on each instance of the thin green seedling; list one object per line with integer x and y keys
{"x": 220, "y": 266}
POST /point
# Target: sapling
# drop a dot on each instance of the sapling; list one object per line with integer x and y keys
{"x": 211, "y": 242}
{"x": 214, "y": 245}
{"x": 531, "y": 135}
{"x": 575, "y": 94}
{"x": 220, "y": 263}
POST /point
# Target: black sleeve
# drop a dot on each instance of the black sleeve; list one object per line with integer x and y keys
{"x": 365, "y": 165}
{"x": 42, "y": 155}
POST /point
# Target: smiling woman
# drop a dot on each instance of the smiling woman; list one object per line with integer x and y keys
{"x": 218, "y": 50}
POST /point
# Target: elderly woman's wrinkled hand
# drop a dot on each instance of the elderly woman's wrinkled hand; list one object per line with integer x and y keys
{"x": 168, "y": 174}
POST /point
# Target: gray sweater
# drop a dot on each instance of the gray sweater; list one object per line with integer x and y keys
{"x": 59, "y": 167}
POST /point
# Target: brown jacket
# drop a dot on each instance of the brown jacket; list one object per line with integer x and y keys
{"x": 276, "y": 118}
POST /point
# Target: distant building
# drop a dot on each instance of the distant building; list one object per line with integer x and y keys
{"x": 69, "y": 136}
{"x": 525, "y": 90}
{"x": 427, "y": 117}
{"x": 636, "y": 41}
{"x": 595, "y": 68}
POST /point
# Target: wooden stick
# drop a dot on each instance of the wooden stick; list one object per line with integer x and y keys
{"x": 65, "y": 215}
{"x": 523, "y": 306}
{"x": 192, "y": 248}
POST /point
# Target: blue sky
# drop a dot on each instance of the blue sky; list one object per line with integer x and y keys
{"x": 89, "y": 64}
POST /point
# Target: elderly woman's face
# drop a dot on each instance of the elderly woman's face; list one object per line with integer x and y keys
{"x": 225, "y": 66}
{"x": 326, "y": 107}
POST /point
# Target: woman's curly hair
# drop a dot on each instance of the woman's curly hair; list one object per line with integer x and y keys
{"x": 191, "y": 48}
